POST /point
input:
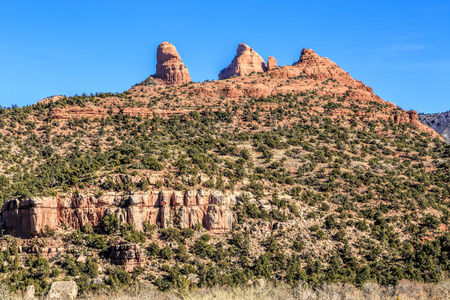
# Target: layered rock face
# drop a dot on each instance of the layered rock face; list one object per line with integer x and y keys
{"x": 245, "y": 62}
{"x": 129, "y": 256}
{"x": 28, "y": 218}
{"x": 170, "y": 70}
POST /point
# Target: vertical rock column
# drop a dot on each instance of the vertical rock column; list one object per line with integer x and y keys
{"x": 170, "y": 70}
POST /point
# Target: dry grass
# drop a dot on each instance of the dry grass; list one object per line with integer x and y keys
{"x": 404, "y": 290}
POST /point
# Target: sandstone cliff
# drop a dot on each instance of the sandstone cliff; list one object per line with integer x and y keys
{"x": 170, "y": 70}
{"x": 212, "y": 209}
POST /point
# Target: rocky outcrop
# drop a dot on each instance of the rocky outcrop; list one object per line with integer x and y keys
{"x": 170, "y": 70}
{"x": 271, "y": 63}
{"x": 405, "y": 117}
{"x": 29, "y": 217}
{"x": 63, "y": 290}
{"x": 50, "y": 99}
{"x": 29, "y": 292}
{"x": 311, "y": 65}
{"x": 245, "y": 62}
{"x": 128, "y": 256}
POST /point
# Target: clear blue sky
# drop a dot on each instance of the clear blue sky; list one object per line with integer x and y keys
{"x": 400, "y": 48}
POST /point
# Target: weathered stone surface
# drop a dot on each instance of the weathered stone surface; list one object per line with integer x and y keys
{"x": 271, "y": 63}
{"x": 318, "y": 67}
{"x": 29, "y": 292}
{"x": 129, "y": 256}
{"x": 190, "y": 199}
{"x": 28, "y": 218}
{"x": 219, "y": 219}
{"x": 201, "y": 198}
{"x": 188, "y": 217}
{"x": 177, "y": 198}
{"x": 245, "y": 62}
{"x": 170, "y": 70}
{"x": 63, "y": 290}
{"x": 166, "y": 220}
{"x": 217, "y": 198}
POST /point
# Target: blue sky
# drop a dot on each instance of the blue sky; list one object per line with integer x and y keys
{"x": 400, "y": 48}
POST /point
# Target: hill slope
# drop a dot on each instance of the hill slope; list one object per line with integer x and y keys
{"x": 299, "y": 173}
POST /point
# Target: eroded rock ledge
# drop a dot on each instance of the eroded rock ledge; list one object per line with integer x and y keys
{"x": 29, "y": 217}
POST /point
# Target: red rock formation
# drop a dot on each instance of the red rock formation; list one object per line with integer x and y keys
{"x": 170, "y": 70}
{"x": 271, "y": 63}
{"x": 129, "y": 256}
{"x": 27, "y": 218}
{"x": 320, "y": 68}
{"x": 245, "y": 62}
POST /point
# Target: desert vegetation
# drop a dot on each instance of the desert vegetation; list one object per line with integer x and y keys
{"x": 336, "y": 196}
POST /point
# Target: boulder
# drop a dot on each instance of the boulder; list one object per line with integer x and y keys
{"x": 29, "y": 292}
{"x": 63, "y": 290}
{"x": 245, "y": 62}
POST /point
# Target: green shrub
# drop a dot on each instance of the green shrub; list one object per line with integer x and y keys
{"x": 166, "y": 253}
{"x": 111, "y": 223}
{"x": 152, "y": 163}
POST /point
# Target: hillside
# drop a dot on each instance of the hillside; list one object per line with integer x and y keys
{"x": 293, "y": 173}
{"x": 439, "y": 122}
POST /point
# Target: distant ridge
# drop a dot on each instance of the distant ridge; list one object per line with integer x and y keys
{"x": 439, "y": 122}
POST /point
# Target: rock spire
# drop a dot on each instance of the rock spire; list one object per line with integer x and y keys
{"x": 271, "y": 63}
{"x": 170, "y": 70}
